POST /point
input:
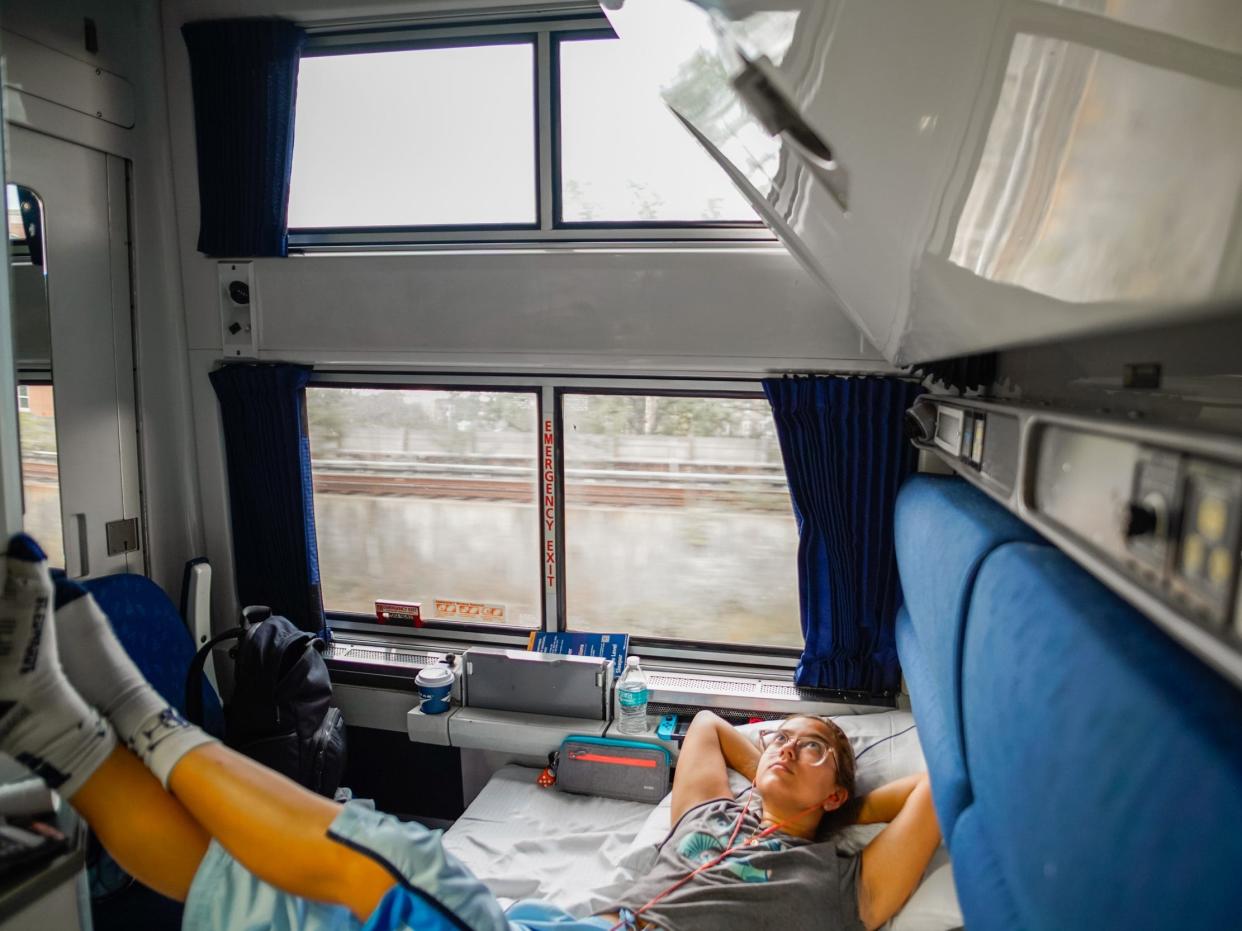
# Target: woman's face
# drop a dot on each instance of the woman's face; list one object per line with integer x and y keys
{"x": 798, "y": 768}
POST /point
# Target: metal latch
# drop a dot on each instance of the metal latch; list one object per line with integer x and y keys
{"x": 122, "y": 536}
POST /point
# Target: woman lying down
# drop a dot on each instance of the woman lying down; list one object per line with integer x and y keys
{"x": 245, "y": 847}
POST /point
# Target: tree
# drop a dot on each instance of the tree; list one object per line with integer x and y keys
{"x": 648, "y": 201}
{"x": 608, "y": 414}
{"x": 701, "y": 87}
{"x": 629, "y": 415}
{"x": 576, "y": 196}
{"x": 328, "y": 410}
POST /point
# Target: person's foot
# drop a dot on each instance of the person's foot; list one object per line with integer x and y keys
{"x": 100, "y": 669}
{"x": 44, "y": 723}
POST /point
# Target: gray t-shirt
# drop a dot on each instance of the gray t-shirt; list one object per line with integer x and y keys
{"x": 787, "y": 883}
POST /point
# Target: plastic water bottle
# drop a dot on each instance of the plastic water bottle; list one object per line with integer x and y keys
{"x": 632, "y": 699}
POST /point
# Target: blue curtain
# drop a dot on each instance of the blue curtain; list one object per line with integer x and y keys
{"x": 267, "y": 447}
{"x": 245, "y": 76}
{"x": 845, "y": 456}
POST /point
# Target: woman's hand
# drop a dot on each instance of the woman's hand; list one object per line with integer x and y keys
{"x": 881, "y": 805}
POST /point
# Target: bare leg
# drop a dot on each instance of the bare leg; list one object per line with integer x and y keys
{"x": 272, "y": 826}
{"x": 276, "y": 829}
{"x": 893, "y": 863}
{"x": 145, "y": 829}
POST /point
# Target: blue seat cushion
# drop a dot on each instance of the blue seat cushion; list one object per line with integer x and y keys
{"x": 982, "y": 890}
{"x": 152, "y": 632}
{"x": 1105, "y": 762}
{"x": 939, "y": 742}
{"x": 945, "y": 528}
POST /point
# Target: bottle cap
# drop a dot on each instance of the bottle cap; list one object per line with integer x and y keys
{"x": 631, "y": 661}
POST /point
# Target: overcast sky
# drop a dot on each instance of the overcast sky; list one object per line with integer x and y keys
{"x": 447, "y": 136}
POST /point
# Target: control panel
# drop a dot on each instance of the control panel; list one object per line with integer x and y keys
{"x": 1155, "y": 513}
{"x": 1206, "y": 558}
{"x": 1181, "y": 526}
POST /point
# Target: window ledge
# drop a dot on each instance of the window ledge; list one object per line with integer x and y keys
{"x": 760, "y": 246}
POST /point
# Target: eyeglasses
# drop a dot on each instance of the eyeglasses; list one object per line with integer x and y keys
{"x": 810, "y": 750}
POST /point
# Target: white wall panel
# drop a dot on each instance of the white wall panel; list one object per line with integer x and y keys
{"x": 213, "y": 492}
{"x": 67, "y": 81}
{"x": 170, "y": 469}
{"x": 58, "y": 24}
{"x": 731, "y": 311}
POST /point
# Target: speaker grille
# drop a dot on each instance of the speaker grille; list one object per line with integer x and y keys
{"x": 705, "y": 684}
{"x": 379, "y": 656}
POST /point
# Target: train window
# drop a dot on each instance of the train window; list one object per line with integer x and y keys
{"x": 429, "y": 496}
{"x": 624, "y": 157}
{"x": 678, "y": 522}
{"x": 40, "y": 473}
{"x": 424, "y": 137}
{"x": 528, "y": 128}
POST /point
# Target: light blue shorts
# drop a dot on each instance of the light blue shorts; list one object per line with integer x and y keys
{"x": 433, "y": 890}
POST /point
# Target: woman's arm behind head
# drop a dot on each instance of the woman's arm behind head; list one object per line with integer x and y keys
{"x": 711, "y": 747}
{"x": 894, "y": 862}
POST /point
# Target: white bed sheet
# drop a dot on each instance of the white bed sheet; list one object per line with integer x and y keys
{"x": 526, "y": 842}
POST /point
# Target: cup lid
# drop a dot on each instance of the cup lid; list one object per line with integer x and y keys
{"x": 434, "y": 676}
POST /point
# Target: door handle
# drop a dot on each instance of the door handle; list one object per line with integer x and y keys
{"x": 759, "y": 89}
{"x": 81, "y": 549}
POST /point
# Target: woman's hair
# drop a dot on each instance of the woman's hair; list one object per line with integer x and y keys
{"x": 843, "y": 752}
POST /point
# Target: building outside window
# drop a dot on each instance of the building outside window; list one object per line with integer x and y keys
{"x": 41, "y": 516}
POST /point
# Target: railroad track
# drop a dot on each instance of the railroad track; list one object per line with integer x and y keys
{"x": 43, "y": 471}
{"x": 653, "y": 494}
{"x": 453, "y": 487}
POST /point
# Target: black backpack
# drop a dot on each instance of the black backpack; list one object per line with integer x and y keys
{"x": 280, "y": 712}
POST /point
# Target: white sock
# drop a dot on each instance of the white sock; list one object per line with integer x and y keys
{"x": 102, "y": 671}
{"x": 44, "y": 723}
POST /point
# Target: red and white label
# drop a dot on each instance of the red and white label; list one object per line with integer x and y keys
{"x": 401, "y": 613}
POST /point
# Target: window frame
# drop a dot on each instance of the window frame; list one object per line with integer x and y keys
{"x": 558, "y": 39}
{"x": 505, "y": 631}
{"x": 23, "y": 397}
{"x": 546, "y": 32}
{"x": 550, "y": 391}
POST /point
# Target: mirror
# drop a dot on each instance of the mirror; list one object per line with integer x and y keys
{"x": 32, "y": 350}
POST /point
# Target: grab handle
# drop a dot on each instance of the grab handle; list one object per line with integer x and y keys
{"x": 759, "y": 89}
{"x": 77, "y": 555}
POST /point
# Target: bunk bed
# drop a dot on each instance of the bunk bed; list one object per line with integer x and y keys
{"x": 527, "y": 842}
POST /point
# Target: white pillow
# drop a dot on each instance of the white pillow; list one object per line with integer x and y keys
{"x": 886, "y": 747}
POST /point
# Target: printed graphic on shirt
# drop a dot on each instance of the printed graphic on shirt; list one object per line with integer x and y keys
{"x": 699, "y": 847}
